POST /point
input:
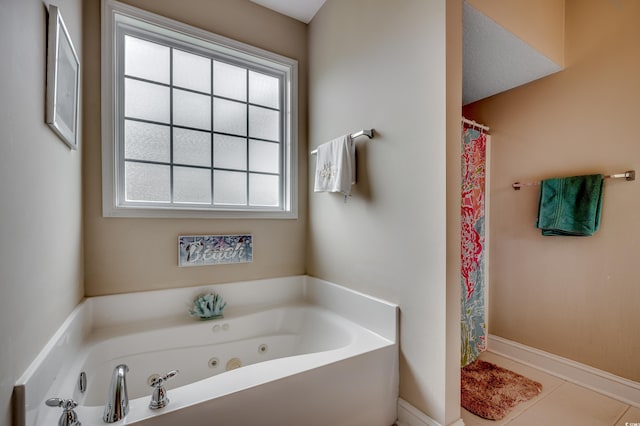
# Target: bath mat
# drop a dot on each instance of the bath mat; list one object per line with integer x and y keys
{"x": 491, "y": 392}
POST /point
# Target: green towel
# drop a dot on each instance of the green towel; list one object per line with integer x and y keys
{"x": 570, "y": 206}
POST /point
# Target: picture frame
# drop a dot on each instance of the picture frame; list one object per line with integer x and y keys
{"x": 63, "y": 80}
{"x": 202, "y": 250}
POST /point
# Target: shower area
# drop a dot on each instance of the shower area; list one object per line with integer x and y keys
{"x": 474, "y": 240}
{"x": 492, "y": 55}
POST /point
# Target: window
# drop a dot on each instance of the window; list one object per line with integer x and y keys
{"x": 194, "y": 124}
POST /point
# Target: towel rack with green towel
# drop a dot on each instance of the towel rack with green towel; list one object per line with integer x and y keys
{"x": 628, "y": 175}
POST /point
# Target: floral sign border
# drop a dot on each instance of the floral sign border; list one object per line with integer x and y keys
{"x": 201, "y": 250}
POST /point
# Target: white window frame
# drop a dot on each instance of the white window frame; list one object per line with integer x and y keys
{"x": 115, "y": 13}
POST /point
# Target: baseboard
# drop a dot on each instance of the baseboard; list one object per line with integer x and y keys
{"x": 408, "y": 415}
{"x": 597, "y": 380}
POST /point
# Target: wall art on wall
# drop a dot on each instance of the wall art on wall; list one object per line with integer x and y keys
{"x": 200, "y": 250}
{"x": 63, "y": 80}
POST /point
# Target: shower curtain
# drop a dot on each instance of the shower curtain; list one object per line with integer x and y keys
{"x": 473, "y": 253}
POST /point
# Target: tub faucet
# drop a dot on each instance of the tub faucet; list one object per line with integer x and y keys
{"x": 117, "y": 405}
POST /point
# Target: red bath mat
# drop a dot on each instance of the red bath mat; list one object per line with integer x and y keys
{"x": 491, "y": 392}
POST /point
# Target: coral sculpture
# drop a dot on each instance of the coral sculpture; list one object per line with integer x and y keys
{"x": 208, "y": 306}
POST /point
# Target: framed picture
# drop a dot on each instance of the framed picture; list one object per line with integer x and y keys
{"x": 63, "y": 80}
{"x": 200, "y": 250}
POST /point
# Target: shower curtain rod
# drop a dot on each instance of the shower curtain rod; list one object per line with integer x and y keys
{"x": 475, "y": 124}
{"x": 628, "y": 175}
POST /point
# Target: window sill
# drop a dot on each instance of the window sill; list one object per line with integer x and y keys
{"x": 173, "y": 213}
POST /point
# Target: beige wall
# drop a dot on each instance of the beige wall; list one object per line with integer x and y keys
{"x": 453, "y": 222}
{"x": 574, "y": 297}
{"x": 381, "y": 64}
{"x": 540, "y": 23}
{"x": 124, "y": 255}
{"x": 40, "y": 193}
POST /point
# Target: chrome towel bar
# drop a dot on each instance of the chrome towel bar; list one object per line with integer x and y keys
{"x": 365, "y": 132}
{"x": 628, "y": 175}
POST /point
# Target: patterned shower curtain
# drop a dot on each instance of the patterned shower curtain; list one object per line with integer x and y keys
{"x": 473, "y": 322}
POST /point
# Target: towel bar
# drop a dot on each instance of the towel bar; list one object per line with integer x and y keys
{"x": 365, "y": 132}
{"x": 628, "y": 175}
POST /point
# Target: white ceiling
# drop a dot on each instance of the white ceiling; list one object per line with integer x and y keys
{"x": 302, "y": 10}
{"x": 494, "y": 60}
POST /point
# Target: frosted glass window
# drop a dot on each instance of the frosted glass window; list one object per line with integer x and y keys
{"x": 264, "y": 90}
{"x": 147, "y": 182}
{"x": 229, "y": 152}
{"x": 229, "y": 117}
{"x": 146, "y": 141}
{"x": 146, "y": 101}
{"x": 200, "y": 126}
{"x": 191, "y": 185}
{"x": 191, "y": 147}
{"x": 264, "y": 190}
{"x": 229, "y": 81}
{"x": 191, "y": 109}
{"x": 264, "y": 157}
{"x": 264, "y": 123}
{"x": 191, "y": 71}
{"x": 229, "y": 188}
{"x": 144, "y": 59}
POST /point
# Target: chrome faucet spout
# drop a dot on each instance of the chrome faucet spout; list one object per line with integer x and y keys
{"x": 117, "y": 405}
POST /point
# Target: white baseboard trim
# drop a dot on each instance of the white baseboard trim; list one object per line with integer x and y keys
{"x": 597, "y": 380}
{"x": 408, "y": 415}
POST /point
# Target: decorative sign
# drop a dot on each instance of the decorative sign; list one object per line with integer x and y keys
{"x": 200, "y": 250}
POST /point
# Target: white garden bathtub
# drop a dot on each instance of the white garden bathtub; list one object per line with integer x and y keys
{"x": 311, "y": 353}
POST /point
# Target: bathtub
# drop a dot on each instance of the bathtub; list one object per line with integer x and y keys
{"x": 289, "y": 351}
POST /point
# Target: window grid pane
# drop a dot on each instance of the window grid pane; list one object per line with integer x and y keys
{"x": 191, "y": 71}
{"x": 146, "y": 60}
{"x": 250, "y": 108}
{"x": 192, "y": 185}
{"x": 191, "y": 110}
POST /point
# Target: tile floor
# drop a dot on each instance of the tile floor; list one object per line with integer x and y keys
{"x": 561, "y": 403}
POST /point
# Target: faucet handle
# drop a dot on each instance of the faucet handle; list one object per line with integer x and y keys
{"x": 66, "y": 404}
{"x": 158, "y": 381}
{"x": 68, "y": 417}
{"x": 159, "y": 396}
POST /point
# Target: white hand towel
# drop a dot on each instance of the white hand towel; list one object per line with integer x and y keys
{"x": 336, "y": 166}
